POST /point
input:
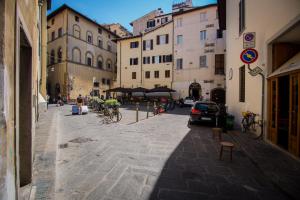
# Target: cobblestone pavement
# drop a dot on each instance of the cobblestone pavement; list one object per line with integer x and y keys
{"x": 156, "y": 158}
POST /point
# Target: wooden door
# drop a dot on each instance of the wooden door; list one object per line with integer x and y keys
{"x": 294, "y": 126}
{"x": 273, "y": 110}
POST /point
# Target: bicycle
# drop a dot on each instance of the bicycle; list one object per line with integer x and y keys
{"x": 111, "y": 114}
{"x": 249, "y": 122}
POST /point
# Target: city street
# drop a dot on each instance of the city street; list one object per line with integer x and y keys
{"x": 156, "y": 158}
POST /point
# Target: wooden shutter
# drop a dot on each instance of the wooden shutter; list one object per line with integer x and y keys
{"x": 167, "y": 38}
{"x": 160, "y": 59}
{"x": 144, "y": 45}
{"x": 130, "y": 61}
{"x": 153, "y": 59}
{"x": 151, "y": 44}
{"x": 157, "y": 40}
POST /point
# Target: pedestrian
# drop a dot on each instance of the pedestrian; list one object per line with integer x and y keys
{"x": 59, "y": 100}
{"x": 79, "y": 104}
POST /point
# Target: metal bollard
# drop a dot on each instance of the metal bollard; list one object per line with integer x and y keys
{"x": 148, "y": 103}
{"x": 154, "y": 107}
{"x": 137, "y": 112}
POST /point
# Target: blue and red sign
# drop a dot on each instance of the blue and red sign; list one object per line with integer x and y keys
{"x": 249, "y": 56}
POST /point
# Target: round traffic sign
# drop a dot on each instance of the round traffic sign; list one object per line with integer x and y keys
{"x": 249, "y": 37}
{"x": 249, "y": 56}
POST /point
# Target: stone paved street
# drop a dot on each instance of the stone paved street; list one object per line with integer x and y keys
{"x": 156, "y": 158}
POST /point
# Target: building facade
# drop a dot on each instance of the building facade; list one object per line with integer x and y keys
{"x": 146, "y": 60}
{"x": 274, "y": 93}
{"x": 199, "y": 50}
{"x": 82, "y": 55}
{"x": 22, "y": 87}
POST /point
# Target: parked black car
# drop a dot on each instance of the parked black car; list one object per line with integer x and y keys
{"x": 204, "y": 111}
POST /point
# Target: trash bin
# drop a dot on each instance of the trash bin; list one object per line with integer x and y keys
{"x": 229, "y": 122}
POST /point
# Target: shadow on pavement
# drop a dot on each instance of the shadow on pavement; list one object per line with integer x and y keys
{"x": 194, "y": 171}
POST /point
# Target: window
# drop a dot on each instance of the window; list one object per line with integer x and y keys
{"x": 59, "y": 32}
{"x": 156, "y": 74}
{"x": 203, "y": 35}
{"x": 203, "y": 17}
{"x": 162, "y": 39}
{"x": 151, "y": 24}
{"x": 76, "y": 18}
{"x": 179, "y": 39}
{"x": 108, "y": 81}
{"x": 52, "y": 21}
{"x": 108, "y": 46}
{"x": 100, "y": 30}
{"x": 133, "y": 75}
{"x": 147, "y": 74}
{"x": 134, "y": 45}
{"x": 100, "y": 43}
{"x": 100, "y": 62}
{"x": 103, "y": 81}
{"x": 108, "y": 64}
{"x": 53, "y": 35}
{"x": 89, "y": 37}
{"x": 167, "y": 73}
{"x": 52, "y": 57}
{"x": 156, "y": 59}
{"x": 76, "y": 31}
{"x": 76, "y": 55}
{"x": 219, "y": 64}
{"x": 219, "y": 33}
{"x": 179, "y": 22}
{"x": 179, "y": 63}
{"x": 59, "y": 55}
{"x": 164, "y": 20}
{"x": 203, "y": 61}
{"x": 89, "y": 59}
{"x": 242, "y": 16}
{"x": 167, "y": 58}
{"x": 147, "y": 45}
{"x": 96, "y": 84}
{"x": 134, "y": 61}
{"x": 146, "y": 60}
{"x": 242, "y": 84}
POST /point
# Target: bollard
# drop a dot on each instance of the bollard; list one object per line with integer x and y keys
{"x": 118, "y": 118}
{"x": 148, "y": 109}
{"x": 137, "y": 112}
{"x": 154, "y": 107}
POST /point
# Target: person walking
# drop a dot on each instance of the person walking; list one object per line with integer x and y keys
{"x": 79, "y": 104}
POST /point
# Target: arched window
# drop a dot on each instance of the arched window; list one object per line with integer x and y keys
{"x": 100, "y": 42}
{"x": 59, "y": 55}
{"x": 89, "y": 58}
{"x": 76, "y": 55}
{"x": 52, "y": 57}
{"x": 76, "y": 31}
{"x": 100, "y": 62}
{"x": 89, "y": 37}
{"x": 109, "y": 46}
{"x": 108, "y": 64}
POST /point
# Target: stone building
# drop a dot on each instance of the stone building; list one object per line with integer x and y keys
{"x": 146, "y": 60}
{"x": 82, "y": 55}
{"x": 273, "y": 93}
{"x": 22, "y": 87}
{"x": 199, "y": 49}
{"x": 192, "y": 62}
{"x": 118, "y": 29}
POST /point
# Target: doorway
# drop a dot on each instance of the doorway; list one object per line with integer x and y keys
{"x": 218, "y": 96}
{"x": 25, "y": 109}
{"x": 195, "y": 91}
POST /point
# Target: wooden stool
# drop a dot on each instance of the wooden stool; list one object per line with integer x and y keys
{"x": 217, "y": 133}
{"x": 226, "y": 145}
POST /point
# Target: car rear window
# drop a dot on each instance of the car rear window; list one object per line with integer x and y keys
{"x": 206, "y": 107}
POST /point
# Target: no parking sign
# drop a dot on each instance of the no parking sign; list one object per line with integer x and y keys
{"x": 249, "y": 56}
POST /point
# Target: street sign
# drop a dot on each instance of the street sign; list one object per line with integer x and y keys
{"x": 255, "y": 71}
{"x": 249, "y": 56}
{"x": 249, "y": 40}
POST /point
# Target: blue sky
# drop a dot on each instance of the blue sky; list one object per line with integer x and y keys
{"x": 121, "y": 11}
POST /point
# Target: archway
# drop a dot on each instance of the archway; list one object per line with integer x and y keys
{"x": 218, "y": 95}
{"x": 195, "y": 91}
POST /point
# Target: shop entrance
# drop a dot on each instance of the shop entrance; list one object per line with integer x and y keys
{"x": 195, "y": 91}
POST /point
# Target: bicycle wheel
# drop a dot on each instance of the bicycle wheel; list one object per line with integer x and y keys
{"x": 116, "y": 116}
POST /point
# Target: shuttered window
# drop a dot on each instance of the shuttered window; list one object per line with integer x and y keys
{"x": 219, "y": 64}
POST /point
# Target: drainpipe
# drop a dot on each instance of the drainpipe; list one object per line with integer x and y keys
{"x": 262, "y": 104}
{"x": 120, "y": 63}
{"x": 141, "y": 60}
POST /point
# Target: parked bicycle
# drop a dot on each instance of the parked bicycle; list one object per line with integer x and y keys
{"x": 250, "y": 123}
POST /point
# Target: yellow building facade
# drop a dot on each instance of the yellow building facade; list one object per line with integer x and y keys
{"x": 146, "y": 60}
{"x": 82, "y": 55}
